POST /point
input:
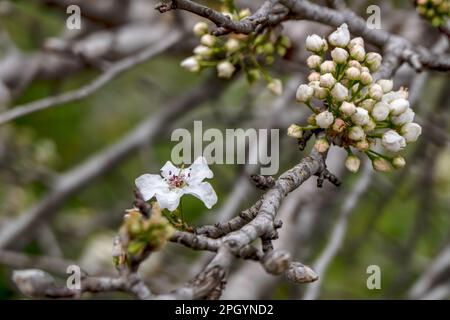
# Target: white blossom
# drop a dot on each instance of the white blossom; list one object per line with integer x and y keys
{"x": 328, "y": 67}
{"x": 366, "y": 78}
{"x": 225, "y": 69}
{"x": 315, "y": 43}
{"x": 324, "y": 119}
{"x": 356, "y": 133}
{"x": 358, "y": 41}
{"x": 314, "y": 61}
{"x": 358, "y": 53}
{"x": 376, "y": 92}
{"x": 174, "y": 182}
{"x": 380, "y": 111}
{"x": 367, "y": 104}
{"x": 411, "y": 131}
{"x": 295, "y": 131}
{"x": 353, "y": 73}
{"x": 392, "y": 141}
{"x": 339, "y": 55}
{"x": 276, "y": 86}
{"x": 190, "y": 64}
{"x": 340, "y": 37}
{"x": 202, "y": 51}
{"x": 208, "y": 40}
{"x": 327, "y": 80}
{"x": 398, "y": 162}
{"x": 373, "y": 61}
{"x": 381, "y": 164}
{"x": 398, "y": 106}
{"x": 304, "y": 93}
{"x": 200, "y": 28}
{"x": 405, "y": 117}
{"x": 386, "y": 85}
{"x": 339, "y": 92}
{"x": 361, "y": 117}
{"x": 348, "y": 108}
{"x": 352, "y": 163}
{"x": 232, "y": 45}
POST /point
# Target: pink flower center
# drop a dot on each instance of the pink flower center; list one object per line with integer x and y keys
{"x": 177, "y": 180}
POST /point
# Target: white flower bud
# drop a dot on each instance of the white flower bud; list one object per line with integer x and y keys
{"x": 295, "y": 131}
{"x": 339, "y": 92}
{"x": 358, "y": 53}
{"x": 190, "y": 64}
{"x": 319, "y": 92}
{"x": 340, "y": 37}
{"x": 208, "y": 40}
{"x": 328, "y": 67}
{"x": 362, "y": 145}
{"x": 354, "y": 63}
{"x": 327, "y": 80}
{"x": 339, "y": 55}
{"x": 367, "y": 104}
{"x": 315, "y": 43}
{"x": 338, "y": 125}
{"x": 361, "y": 117}
{"x": 398, "y": 162}
{"x": 276, "y": 86}
{"x": 352, "y": 163}
{"x": 366, "y": 78}
{"x": 314, "y": 61}
{"x": 324, "y": 119}
{"x": 225, "y": 69}
{"x": 314, "y": 76}
{"x": 375, "y": 92}
{"x": 321, "y": 145}
{"x": 304, "y": 93}
{"x": 348, "y": 108}
{"x": 386, "y": 85}
{"x": 381, "y": 164}
{"x": 373, "y": 61}
{"x": 392, "y": 141}
{"x": 358, "y": 41}
{"x": 370, "y": 126}
{"x": 380, "y": 111}
{"x": 405, "y": 117}
{"x": 365, "y": 69}
{"x": 411, "y": 131}
{"x": 398, "y": 106}
{"x": 353, "y": 73}
{"x": 393, "y": 95}
{"x": 232, "y": 45}
{"x": 202, "y": 51}
{"x": 200, "y": 28}
{"x": 356, "y": 133}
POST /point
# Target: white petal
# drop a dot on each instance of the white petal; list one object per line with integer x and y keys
{"x": 198, "y": 171}
{"x": 203, "y": 191}
{"x": 150, "y": 184}
{"x": 169, "y": 169}
{"x": 169, "y": 199}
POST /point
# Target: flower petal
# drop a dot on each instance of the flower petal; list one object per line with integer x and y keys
{"x": 150, "y": 184}
{"x": 169, "y": 199}
{"x": 203, "y": 191}
{"x": 169, "y": 169}
{"x": 198, "y": 171}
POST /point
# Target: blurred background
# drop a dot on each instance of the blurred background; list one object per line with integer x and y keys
{"x": 76, "y": 163}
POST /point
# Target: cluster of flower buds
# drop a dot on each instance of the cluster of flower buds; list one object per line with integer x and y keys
{"x": 237, "y": 51}
{"x": 357, "y": 112}
{"x": 435, "y": 11}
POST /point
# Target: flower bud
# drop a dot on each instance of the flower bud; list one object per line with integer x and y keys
{"x": 225, "y": 69}
{"x": 362, "y": 145}
{"x": 366, "y": 78}
{"x": 314, "y": 61}
{"x": 328, "y": 67}
{"x": 200, "y": 28}
{"x": 380, "y": 111}
{"x": 392, "y": 141}
{"x": 375, "y": 92}
{"x": 314, "y": 76}
{"x": 190, "y": 64}
{"x": 352, "y": 163}
{"x": 370, "y": 126}
{"x": 276, "y": 86}
{"x": 320, "y": 93}
{"x": 347, "y": 108}
{"x": 339, "y": 55}
{"x": 202, "y": 51}
{"x": 321, "y": 145}
{"x": 340, "y": 37}
{"x": 367, "y": 104}
{"x": 295, "y": 131}
{"x": 356, "y": 133}
{"x": 358, "y": 53}
{"x": 398, "y": 106}
{"x": 315, "y": 43}
{"x": 327, "y": 80}
{"x": 353, "y": 73}
{"x": 208, "y": 40}
{"x": 373, "y": 61}
{"x": 338, "y": 125}
{"x": 232, "y": 45}
{"x": 361, "y": 117}
{"x": 405, "y": 117}
{"x": 411, "y": 131}
{"x": 339, "y": 92}
{"x": 381, "y": 164}
{"x": 324, "y": 119}
{"x": 356, "y": 42}
{"x": 398, "y": 162}
{"x": 304, "y": 93}
{"x": 355, "y": 64}
{"x": 386, "y": 85}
